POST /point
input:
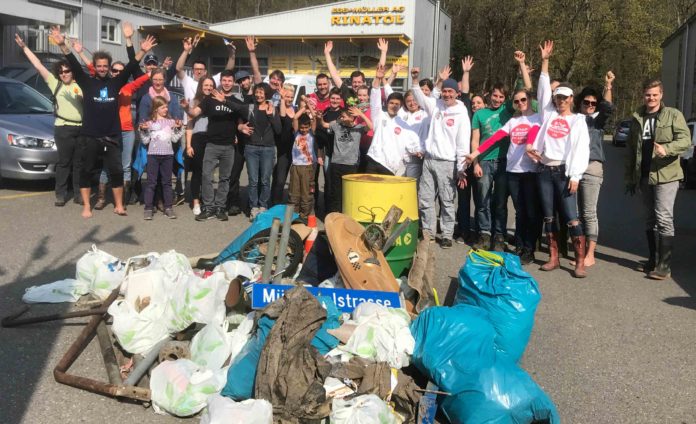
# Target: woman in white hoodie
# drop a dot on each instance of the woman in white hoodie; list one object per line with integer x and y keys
{"x": 563, "y": 149}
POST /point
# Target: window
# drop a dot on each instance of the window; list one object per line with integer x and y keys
{"x": 72, "y": 27}
{"x": 110, "y": 30}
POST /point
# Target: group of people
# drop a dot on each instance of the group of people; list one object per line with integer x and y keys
{"x": 545, "y": 153}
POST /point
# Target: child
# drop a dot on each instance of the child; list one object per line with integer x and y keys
{"x": 346, "y": 153}
{"x": 304, "y": 159}
{"x": 159, "y": 133}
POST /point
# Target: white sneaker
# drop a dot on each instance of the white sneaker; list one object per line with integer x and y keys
{"x": 196, "y": 210}
{"x": 253, "y": 213}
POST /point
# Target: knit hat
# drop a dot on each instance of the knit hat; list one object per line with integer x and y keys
{"x": 450, "y": 83}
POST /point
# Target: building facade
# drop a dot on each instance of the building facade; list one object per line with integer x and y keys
{"x": 418, "y": 32}
{"x": 679, "y": 69}
{"x": 96, "y": 23}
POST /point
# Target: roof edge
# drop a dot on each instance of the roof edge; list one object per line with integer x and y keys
{"x": 678, "y": 31}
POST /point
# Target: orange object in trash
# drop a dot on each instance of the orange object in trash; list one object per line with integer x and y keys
{"x": 309, "y": 242}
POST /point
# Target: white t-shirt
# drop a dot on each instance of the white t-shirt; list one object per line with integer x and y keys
{"x": 517, "y": 129}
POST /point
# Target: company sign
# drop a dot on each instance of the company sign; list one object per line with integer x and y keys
{"x": 358, "y": 16}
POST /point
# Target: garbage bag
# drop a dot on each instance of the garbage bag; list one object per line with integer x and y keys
{"x": 211, "y": 346}
{"x": 497, "y": 283}
{"x": 323, "y": 340}
{"x": 240, "y": 336}
{"x": 182, "y": 387}
{"x": 455, "y": 349}
{"x": 101, "y": 271}
{"x": 242, "y": 373}
{"x": 138, "y": 332}
{"x": 365, "y": 409}
{"x": 222, "y": 410}
{"x": 196, "y": 299}
{"x": 67, "y": 290}
{"x": 382, "y": 335}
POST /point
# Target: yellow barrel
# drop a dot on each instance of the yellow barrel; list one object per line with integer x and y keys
{"x": 365, "y": 195}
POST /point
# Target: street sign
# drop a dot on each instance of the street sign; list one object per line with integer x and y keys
{"x": 345, "y": 299}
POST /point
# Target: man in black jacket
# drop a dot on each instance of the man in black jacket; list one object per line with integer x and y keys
{"x": 101, "y": 126}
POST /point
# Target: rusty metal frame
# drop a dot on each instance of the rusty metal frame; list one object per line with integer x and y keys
{"x": 114, "y": 388}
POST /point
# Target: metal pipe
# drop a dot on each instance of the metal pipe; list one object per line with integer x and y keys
{"x": 395, "y": 234}
{"x": 283, "y": 247}
{"x": 107, "y": 351}
{"x": 145, "y": 364}
{"x": 270, "y": 251}
{"x": 11, "y": 321}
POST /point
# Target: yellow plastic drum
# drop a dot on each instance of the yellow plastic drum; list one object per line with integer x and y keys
{"x": 365, "y": 195}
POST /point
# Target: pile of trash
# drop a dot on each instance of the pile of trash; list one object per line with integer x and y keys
{"x": 248, "y": 337}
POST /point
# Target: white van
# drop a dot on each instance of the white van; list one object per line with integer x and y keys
{"x": 304, "y": 84}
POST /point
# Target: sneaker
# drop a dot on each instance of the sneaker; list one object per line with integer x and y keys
{"x": 499, "y": 243}
{"x": 205, "y": 215}
{"x": 197, "y": 209}
{"x": 253, "y": 213}
{"x": 169, "y": 213}
{"x": 234, "y": 210}
{"x": 179, "y": 199}
{"x": 148, "y": 214}
{"x": 221, "y": 215}
{"x": 460, "y": 239}
{"x": 527, "y": 257}
{"x": 59, "y": 203}
{"x": 446, "y": 243}
{"x": 483, "y": 242}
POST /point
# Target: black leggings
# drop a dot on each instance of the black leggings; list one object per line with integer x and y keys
{"x": 195, "y": 164}
{"x": 92, "y": 149}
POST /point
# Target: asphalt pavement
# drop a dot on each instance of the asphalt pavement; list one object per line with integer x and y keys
{"x": 612, "y": 348}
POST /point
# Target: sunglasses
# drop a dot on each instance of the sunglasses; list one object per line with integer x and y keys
{"x": 116, "y": 70}
{"x": 589, "y": 103}
{"x": 560, "y": 97}
{"x": 522, "y": 100}
{"x": 65, "y": 71}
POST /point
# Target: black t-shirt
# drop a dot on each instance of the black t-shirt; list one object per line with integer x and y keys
{"x": 325, "y": 139}
{"x": 648, "y": 137}
{"x": 222, "y": 121}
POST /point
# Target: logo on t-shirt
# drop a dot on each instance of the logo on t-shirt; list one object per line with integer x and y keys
{"x": 518, "y": 135}
{"x": 418, "y": 117}
{"x": 397, "y": 130}
{"x": 450, "y": 122}
{"x": 558, "y": 128}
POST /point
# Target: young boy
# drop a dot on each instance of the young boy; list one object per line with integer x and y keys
{"x": 304, "y": 158}
{"x": 346, "y": 151}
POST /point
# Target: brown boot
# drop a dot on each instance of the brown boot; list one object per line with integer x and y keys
{"x": 579, "y": 247}
{"x": 553, "y": 262}
{"x": 101, "y": 198}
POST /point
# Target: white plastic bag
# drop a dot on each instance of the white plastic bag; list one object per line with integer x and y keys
{"x": 138, "y": 332}
{"x": 222, "y": 410}
{"x": 365, "y": 409}
{"x": 382, "y": 335}
{"x": 102, "y": 271}
{"x": 211, "y": 347}
{"x": 196, "y": 299}
{"x": 68, "y": 290}
{"x": 182, "y": 387}
{"x": 234, "y": 269}
{"x": 240, "y": 336}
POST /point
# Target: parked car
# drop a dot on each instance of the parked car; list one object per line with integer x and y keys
{"x": 621, "y": 133}
{"x": 304, "y": 85}
{"x": 688, "y": 161}
{"x": 27, "y": 147}
{"x": 27, "y": 74}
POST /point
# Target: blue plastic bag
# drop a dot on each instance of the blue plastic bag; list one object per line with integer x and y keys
{"x": 497, "y": 283}
{"x": 455, "y": 350}
{"x": 242, "y": 373}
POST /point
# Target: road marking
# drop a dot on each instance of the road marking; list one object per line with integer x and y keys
{"x": 20, "y": 196}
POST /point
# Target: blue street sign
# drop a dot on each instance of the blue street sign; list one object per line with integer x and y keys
{"x": 345, "y": 299}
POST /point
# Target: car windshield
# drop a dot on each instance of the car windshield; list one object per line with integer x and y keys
{"x": 19, "y": 99}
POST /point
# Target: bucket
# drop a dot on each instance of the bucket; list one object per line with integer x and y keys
{"x": 365, "y": 195}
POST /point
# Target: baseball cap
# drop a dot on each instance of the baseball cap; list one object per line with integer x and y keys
{"x": 240, "y": 75}
{"x": 150, "y": 58}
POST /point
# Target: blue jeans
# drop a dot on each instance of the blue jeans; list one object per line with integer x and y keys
{"x": 555, "y": 197}
{"x": 523, "y": 188}
{"x": 128, "y": 139}
{"x": 490, "y": 197}
{"x": 259, "y": 161}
